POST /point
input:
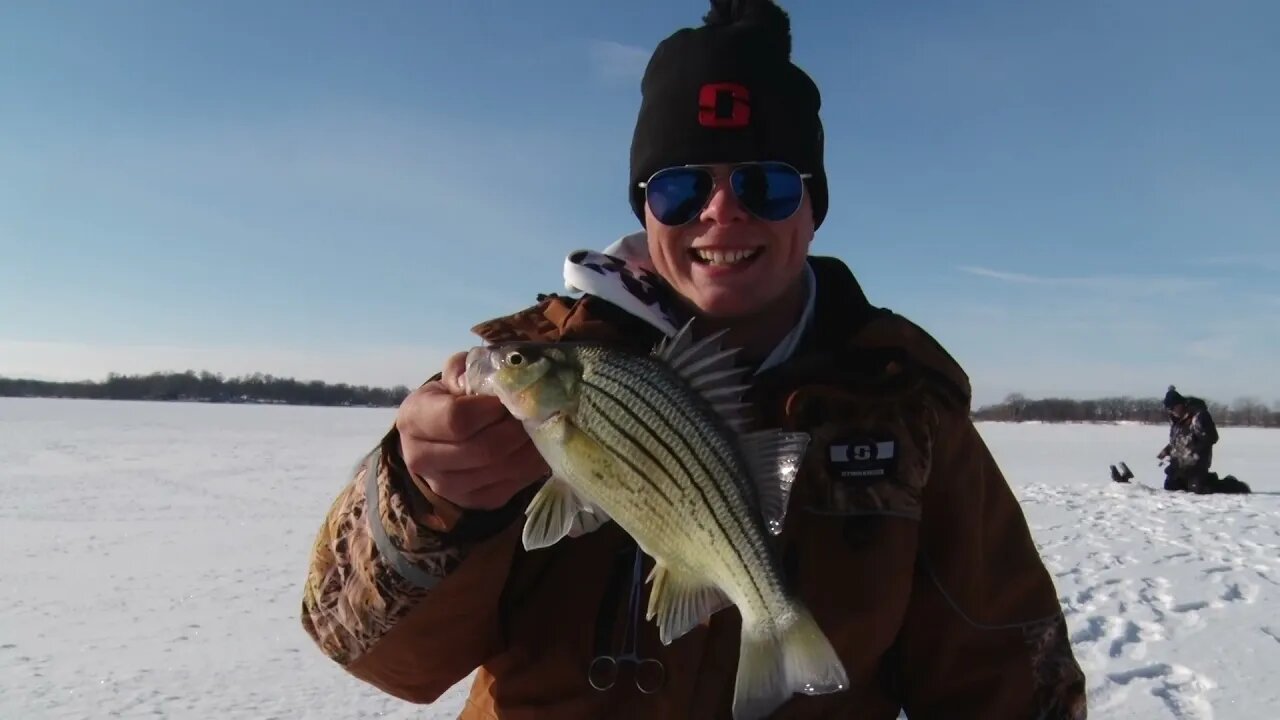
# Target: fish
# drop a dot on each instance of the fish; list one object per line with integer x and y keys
{"x": 660, "y": 444}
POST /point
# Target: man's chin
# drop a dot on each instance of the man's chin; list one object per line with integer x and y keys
{"x": 726, "y": 307}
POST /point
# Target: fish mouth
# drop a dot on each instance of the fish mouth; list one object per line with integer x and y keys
{"x": 479, "y": 370}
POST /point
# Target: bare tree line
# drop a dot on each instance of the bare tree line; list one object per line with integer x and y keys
{"x": 209, "y": 387}
{"x": 1245, "y": 411}
{"x": 260, "y": 388}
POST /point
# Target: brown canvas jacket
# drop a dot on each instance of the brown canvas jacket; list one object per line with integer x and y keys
{"x": 918, "y": 564}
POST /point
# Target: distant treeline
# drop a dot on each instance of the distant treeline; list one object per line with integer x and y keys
{"x": 209, "y": 387}
{"x": 1016, "y": 408}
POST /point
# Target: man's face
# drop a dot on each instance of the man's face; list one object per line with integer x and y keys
{"x": 1178, "y": 411}
{"x": 726, "y": 261}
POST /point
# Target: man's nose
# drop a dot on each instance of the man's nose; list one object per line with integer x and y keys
{"x": 723, "y": 206}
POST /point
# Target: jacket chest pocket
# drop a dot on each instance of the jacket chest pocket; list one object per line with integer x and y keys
{"x": 867, "y": 455}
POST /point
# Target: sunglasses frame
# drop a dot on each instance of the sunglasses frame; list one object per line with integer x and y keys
{"x": 733, "y": 167}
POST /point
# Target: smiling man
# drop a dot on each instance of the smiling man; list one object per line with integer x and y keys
{"x": 901, "y": 535}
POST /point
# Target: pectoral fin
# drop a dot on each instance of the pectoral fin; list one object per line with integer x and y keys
{"x": 551, "y": 514}
{"x": 774, "y": 458}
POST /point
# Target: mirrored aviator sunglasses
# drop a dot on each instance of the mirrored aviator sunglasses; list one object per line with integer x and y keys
{"x": 771, "y": 191}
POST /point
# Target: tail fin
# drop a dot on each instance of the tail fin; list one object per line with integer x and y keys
{"x": 772, "y": 667}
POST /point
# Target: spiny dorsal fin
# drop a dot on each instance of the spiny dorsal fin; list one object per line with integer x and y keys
{"x": 709, "y": 370}
{"x": 670, "y": 347}
{"x": 681, "y": 350}
{"x": 773, "y": 457}
{"x": 718, "y": 379}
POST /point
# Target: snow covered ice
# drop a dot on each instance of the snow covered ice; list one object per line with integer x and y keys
{"x": 1171, "y": 598}
{"x": 153, "y": 556}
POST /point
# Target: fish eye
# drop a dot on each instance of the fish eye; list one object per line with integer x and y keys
{"x": 515, "y": 357}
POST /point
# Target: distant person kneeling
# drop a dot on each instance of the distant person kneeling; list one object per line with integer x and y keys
{"x": 1192, "y": 435}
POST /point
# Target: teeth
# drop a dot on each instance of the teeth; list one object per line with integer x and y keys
{"x": 724, "y": 257}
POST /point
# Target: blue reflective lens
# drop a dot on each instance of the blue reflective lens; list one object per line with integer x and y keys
{"x": 770, "y": 191}
{"x": 677, "y": 195}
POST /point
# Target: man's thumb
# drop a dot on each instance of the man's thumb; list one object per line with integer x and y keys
{"x": 452, "y": 375}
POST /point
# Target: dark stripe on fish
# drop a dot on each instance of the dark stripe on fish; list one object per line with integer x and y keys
{"x": 725, "y": 458}
{"x": 674, "y": 396}
{"x": 693, "y": 454}
{"x": 660, "y": 440}
{"x": 622, "y": 457}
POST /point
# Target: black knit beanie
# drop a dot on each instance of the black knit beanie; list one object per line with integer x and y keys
{"x": 728, "y": 92}
{"x": 1172, "y": 398}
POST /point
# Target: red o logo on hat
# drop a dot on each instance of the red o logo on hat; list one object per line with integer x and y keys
{"x": 724, "y": 105}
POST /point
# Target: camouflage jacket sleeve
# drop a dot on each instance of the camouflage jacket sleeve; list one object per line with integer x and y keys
{"x": 403, "y": 587}
{"x": 984, "y": 634}
{"x": 1203, "y": 430}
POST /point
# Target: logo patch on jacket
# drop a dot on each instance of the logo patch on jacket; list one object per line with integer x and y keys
{"x": 867, "y": 458}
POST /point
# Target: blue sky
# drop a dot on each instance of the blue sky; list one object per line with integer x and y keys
{"x": 1075, "y": 198}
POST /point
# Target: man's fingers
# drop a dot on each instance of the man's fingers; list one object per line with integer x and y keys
{"x": 468, "y": 448}
{"x": 495, "y": 443}
{"x": 452, "y": 373}
{"x": 491, "y": 486}
{"x": 525, "y": 465}
{"x": 434, "y": 414}
{"x": 492, "y": 497}
{"x": 469, "y": 415}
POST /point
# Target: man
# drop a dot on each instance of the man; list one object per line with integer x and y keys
{"x": 1192, "y": 435}
{"x": 902, "y": 537}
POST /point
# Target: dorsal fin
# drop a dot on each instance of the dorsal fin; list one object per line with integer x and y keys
{"x": 709, "y": 370}
{"x": 773, "y": 457}
{"x": 676, "y": 348}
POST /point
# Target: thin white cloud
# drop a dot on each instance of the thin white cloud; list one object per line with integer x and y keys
{"x": 1256, "y": 261}
{"x": 1009, "y": 277}
{"x": 616, "y": 62}
{"x": 1129, "y": 283}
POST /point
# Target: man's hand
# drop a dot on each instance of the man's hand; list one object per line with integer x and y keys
{"x": 468, "y": 448}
